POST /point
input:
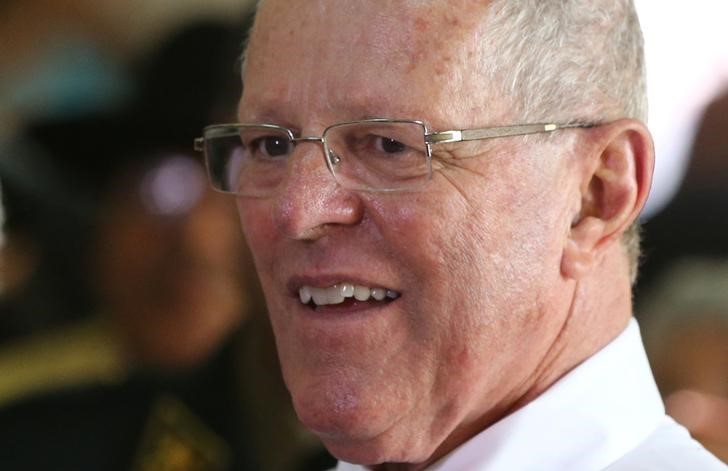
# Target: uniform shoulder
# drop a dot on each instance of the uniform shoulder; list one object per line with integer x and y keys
{"x": 71, "y": 357}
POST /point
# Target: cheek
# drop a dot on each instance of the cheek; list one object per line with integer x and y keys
{"x": 474, "y": 262}
{"x": 444, "y": 271}
{"x": 457, "y": 299}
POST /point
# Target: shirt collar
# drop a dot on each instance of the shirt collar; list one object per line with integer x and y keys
{"x": 588, "y": 419}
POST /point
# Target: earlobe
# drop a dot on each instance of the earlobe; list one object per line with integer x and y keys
{"x": 579, "y": 253}
{"x": 614, "y": 189}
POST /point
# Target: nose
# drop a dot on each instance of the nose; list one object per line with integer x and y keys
{"x": 310, "y": 202}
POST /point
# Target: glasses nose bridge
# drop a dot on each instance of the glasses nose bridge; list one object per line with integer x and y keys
{"x": 308, "y": 139}
{"x": 322, "y": 141}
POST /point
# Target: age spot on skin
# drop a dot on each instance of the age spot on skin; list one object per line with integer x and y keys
{"x": 422, "y": 25}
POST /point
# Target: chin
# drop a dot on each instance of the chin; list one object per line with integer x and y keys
{"x": 353, "y": 426}
{"x": 373, "y": 452}
{"x": 332, "y": 410}
{"x": 365, "y": 454}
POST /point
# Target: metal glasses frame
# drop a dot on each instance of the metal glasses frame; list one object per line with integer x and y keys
{"x": 430, "y": 138}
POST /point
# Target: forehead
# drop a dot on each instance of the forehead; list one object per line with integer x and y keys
{"x": 362, "y": 54}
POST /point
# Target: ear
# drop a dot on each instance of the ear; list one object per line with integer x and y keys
{"x": 619, "y": 162}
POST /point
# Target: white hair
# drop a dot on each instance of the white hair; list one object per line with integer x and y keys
{"x": 567, "y": 60}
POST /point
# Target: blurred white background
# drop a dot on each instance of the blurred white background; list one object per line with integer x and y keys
{"x": 687, "y": 67}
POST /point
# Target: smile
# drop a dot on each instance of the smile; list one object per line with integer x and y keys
{"x": 341, "y": 292}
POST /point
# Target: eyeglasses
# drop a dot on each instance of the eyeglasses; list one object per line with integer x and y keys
{"x": 369, "y": 155}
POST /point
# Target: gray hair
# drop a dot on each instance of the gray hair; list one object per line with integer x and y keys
{"x": 567, "y": 59}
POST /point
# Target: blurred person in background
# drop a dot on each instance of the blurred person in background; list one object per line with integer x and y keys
{"x": 132, "y": 337}
{"x": 685, "y": 318}
{"x": 64, "y": 175}
{"x": 172, "y": 276}
{"x": 63, "y": 58}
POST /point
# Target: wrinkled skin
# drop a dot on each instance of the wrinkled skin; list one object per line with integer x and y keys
{"x": 475, "y": 255}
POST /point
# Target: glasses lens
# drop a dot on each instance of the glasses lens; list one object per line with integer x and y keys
{"x": 380, "y": 156}
{"x": 247, "y": 160}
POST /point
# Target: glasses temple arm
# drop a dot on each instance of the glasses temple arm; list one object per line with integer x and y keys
{"x": 501, "y": 131}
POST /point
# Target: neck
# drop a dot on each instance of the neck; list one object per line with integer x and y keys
{"x": 600, "y": 309}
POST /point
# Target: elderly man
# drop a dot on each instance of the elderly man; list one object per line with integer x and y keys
{"x": 438, "y": 196}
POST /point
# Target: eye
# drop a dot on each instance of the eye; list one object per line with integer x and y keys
{"x": 272, "y": 146}
{"x": 389, "y": 145}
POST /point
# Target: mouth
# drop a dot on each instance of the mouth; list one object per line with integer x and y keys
{"x": 343, "y": 294}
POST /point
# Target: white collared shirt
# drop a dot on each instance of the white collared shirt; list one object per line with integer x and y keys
{"x": 606, "y": 414}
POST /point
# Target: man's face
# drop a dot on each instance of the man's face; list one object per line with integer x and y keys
{"x": 473, "y": 257}
{"x": 177, "y": 296}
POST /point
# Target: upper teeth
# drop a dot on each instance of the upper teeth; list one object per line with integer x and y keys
{"x": 337, "y": 293}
